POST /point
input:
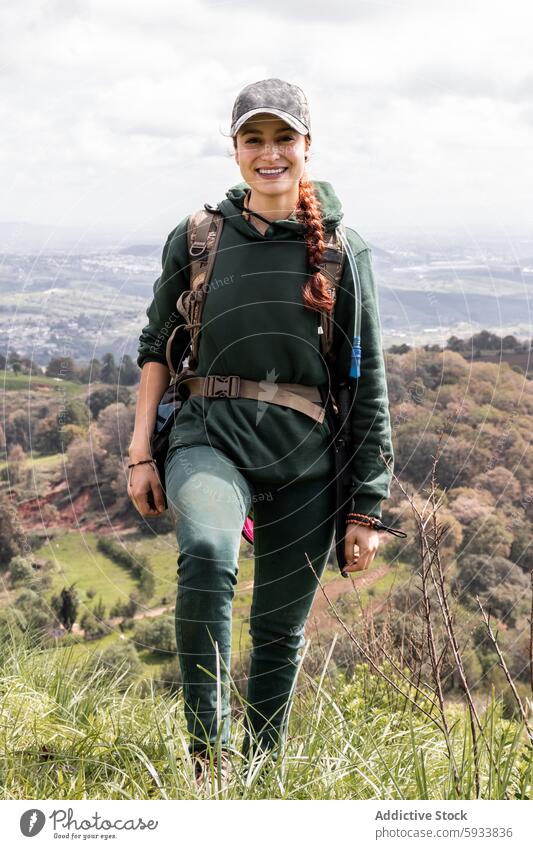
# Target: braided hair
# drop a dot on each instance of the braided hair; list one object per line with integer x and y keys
{"x": 316, "y": 294}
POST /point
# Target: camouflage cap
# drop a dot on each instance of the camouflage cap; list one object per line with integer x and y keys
{"x": 276, "y": 97}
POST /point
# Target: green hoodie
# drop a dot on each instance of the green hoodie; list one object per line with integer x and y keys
{"x": 255, "y": 325}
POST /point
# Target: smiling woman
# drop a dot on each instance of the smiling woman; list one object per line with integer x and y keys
{"x": 253, "y": 430}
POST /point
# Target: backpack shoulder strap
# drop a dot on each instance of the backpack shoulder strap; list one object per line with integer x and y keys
{"x": 203, "y": 236}
{"x": 332, "y": 267}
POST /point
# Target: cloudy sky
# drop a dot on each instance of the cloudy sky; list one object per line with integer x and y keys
{"x": 114, "y": 112}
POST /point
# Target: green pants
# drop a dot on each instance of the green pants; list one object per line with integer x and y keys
{"x": 210, "y": 499}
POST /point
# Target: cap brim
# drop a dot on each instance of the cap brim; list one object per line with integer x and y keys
{"x": 290, "y": 119}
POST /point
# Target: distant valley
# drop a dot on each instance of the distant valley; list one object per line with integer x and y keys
{"x": 85, "y": 304}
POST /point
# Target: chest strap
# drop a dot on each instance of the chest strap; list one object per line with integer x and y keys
{"x": 295, "y": 395}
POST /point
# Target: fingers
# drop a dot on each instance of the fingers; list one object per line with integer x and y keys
{"x": 360, "y": 562}
{"x": 158, "y": 496}
{"x": 350, "y": 546}
{"x": 146, "y": 493}
{"x": 360, "y": 548}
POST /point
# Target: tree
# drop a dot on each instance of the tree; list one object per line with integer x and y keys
{"x": 454, "y": 343}
{"x": 128, "y": 371}
{"x": 92, "y": 626}
{"x": 21, "y": 571}
{"x": 521, "y": 548}
{"x": 90, "y": 372}
{"x": 399, "y": 349}
{"x": 66, "y": 606}
{"x": 500, "y": 584}
{"x": 108, "y": 370}
{"x": 84, "y": 462}
{"x": 157, "y": 635}
{"x": 63, "y": 367}
{"x": 502, "y": 484}
{"x": 16, "y": 466}
{"x": 17, "y": 430}
{"x": 115, "y": 426}
{"x": 488, "y": 533}
{"x": 126, "y": 609}
{"x": 47, "y": 436}
{"x": 511, "y": 343}
{"x": 11, "y": 535}
{"x": 35, "y": 609}
{"x": 75, "y": 412}
{"x": 99, "y": 399}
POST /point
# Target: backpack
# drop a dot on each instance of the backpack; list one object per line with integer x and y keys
{"x": 203, "y": 237}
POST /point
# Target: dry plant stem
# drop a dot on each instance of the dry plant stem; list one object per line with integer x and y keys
{"x": 389, "y": 657}
{"x": 431, "y": 555}
{"x": 531, "y": 636}
{"x": 448, "y": 621}
{"x": 425, "y": 556}
{"x": 443, "y": 602}
{"x": 494, "y": 641}
{"x": 363, "y": 651}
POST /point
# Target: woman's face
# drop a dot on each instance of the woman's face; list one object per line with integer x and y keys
{"x": 270, "y": 154}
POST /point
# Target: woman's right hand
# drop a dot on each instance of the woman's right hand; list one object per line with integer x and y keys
{"x": 145, "y": 490}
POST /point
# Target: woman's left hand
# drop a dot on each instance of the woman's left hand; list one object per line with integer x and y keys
{"x": 366, "y": 540}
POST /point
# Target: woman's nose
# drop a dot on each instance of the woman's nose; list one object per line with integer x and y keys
{"x": 272, "y": 150}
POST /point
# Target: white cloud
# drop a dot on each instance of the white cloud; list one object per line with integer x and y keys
{"x": 115, "y": 111}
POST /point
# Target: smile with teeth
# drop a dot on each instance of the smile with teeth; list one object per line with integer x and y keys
{"x": 271, "y": 172}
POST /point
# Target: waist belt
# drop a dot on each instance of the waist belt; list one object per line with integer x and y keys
{"x": 298, "y": 396}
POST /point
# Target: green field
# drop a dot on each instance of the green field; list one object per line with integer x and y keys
{"x": 78, "y": 561}
{"x": 34, "y": 382}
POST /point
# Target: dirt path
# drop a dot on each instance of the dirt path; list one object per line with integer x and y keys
{"x": 116, "y": 620}
{"x": 321, "y": 616}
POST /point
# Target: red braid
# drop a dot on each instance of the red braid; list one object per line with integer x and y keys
{"x": 315, "y": 291}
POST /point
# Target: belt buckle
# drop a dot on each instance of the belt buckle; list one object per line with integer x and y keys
{"x": 222, "y": 386}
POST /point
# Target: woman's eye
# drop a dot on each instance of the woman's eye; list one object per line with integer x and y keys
{"x": 254, "y": 140}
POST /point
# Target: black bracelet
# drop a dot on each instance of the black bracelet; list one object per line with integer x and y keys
{"x": 139, "y": 462}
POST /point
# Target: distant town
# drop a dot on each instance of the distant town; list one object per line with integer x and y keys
{"x": 87, "y": 304}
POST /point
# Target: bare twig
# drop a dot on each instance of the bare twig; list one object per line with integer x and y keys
{"x": 494, "y": 641}
{"x": 442, "y": 596}
{"x": 427, "y": 551}
{"x": 531, "y": 635}
{"x": 365, "y": 654}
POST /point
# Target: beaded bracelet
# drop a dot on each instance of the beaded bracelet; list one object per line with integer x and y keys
{"x": 372, "y": 522}
{"x": 361, "y": 519}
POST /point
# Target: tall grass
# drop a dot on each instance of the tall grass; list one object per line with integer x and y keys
{"x": 67, "y": 733}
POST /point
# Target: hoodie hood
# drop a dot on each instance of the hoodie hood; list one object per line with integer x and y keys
{"x": 233, "y": 205}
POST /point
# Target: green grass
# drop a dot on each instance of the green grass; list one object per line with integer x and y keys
{"x": 11, "y": 382}
{"x": 45, "y": 462}
{"x": 108, "y": 737}
{"x": 79, "y": 562}
{"x": 42, "y": 462}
